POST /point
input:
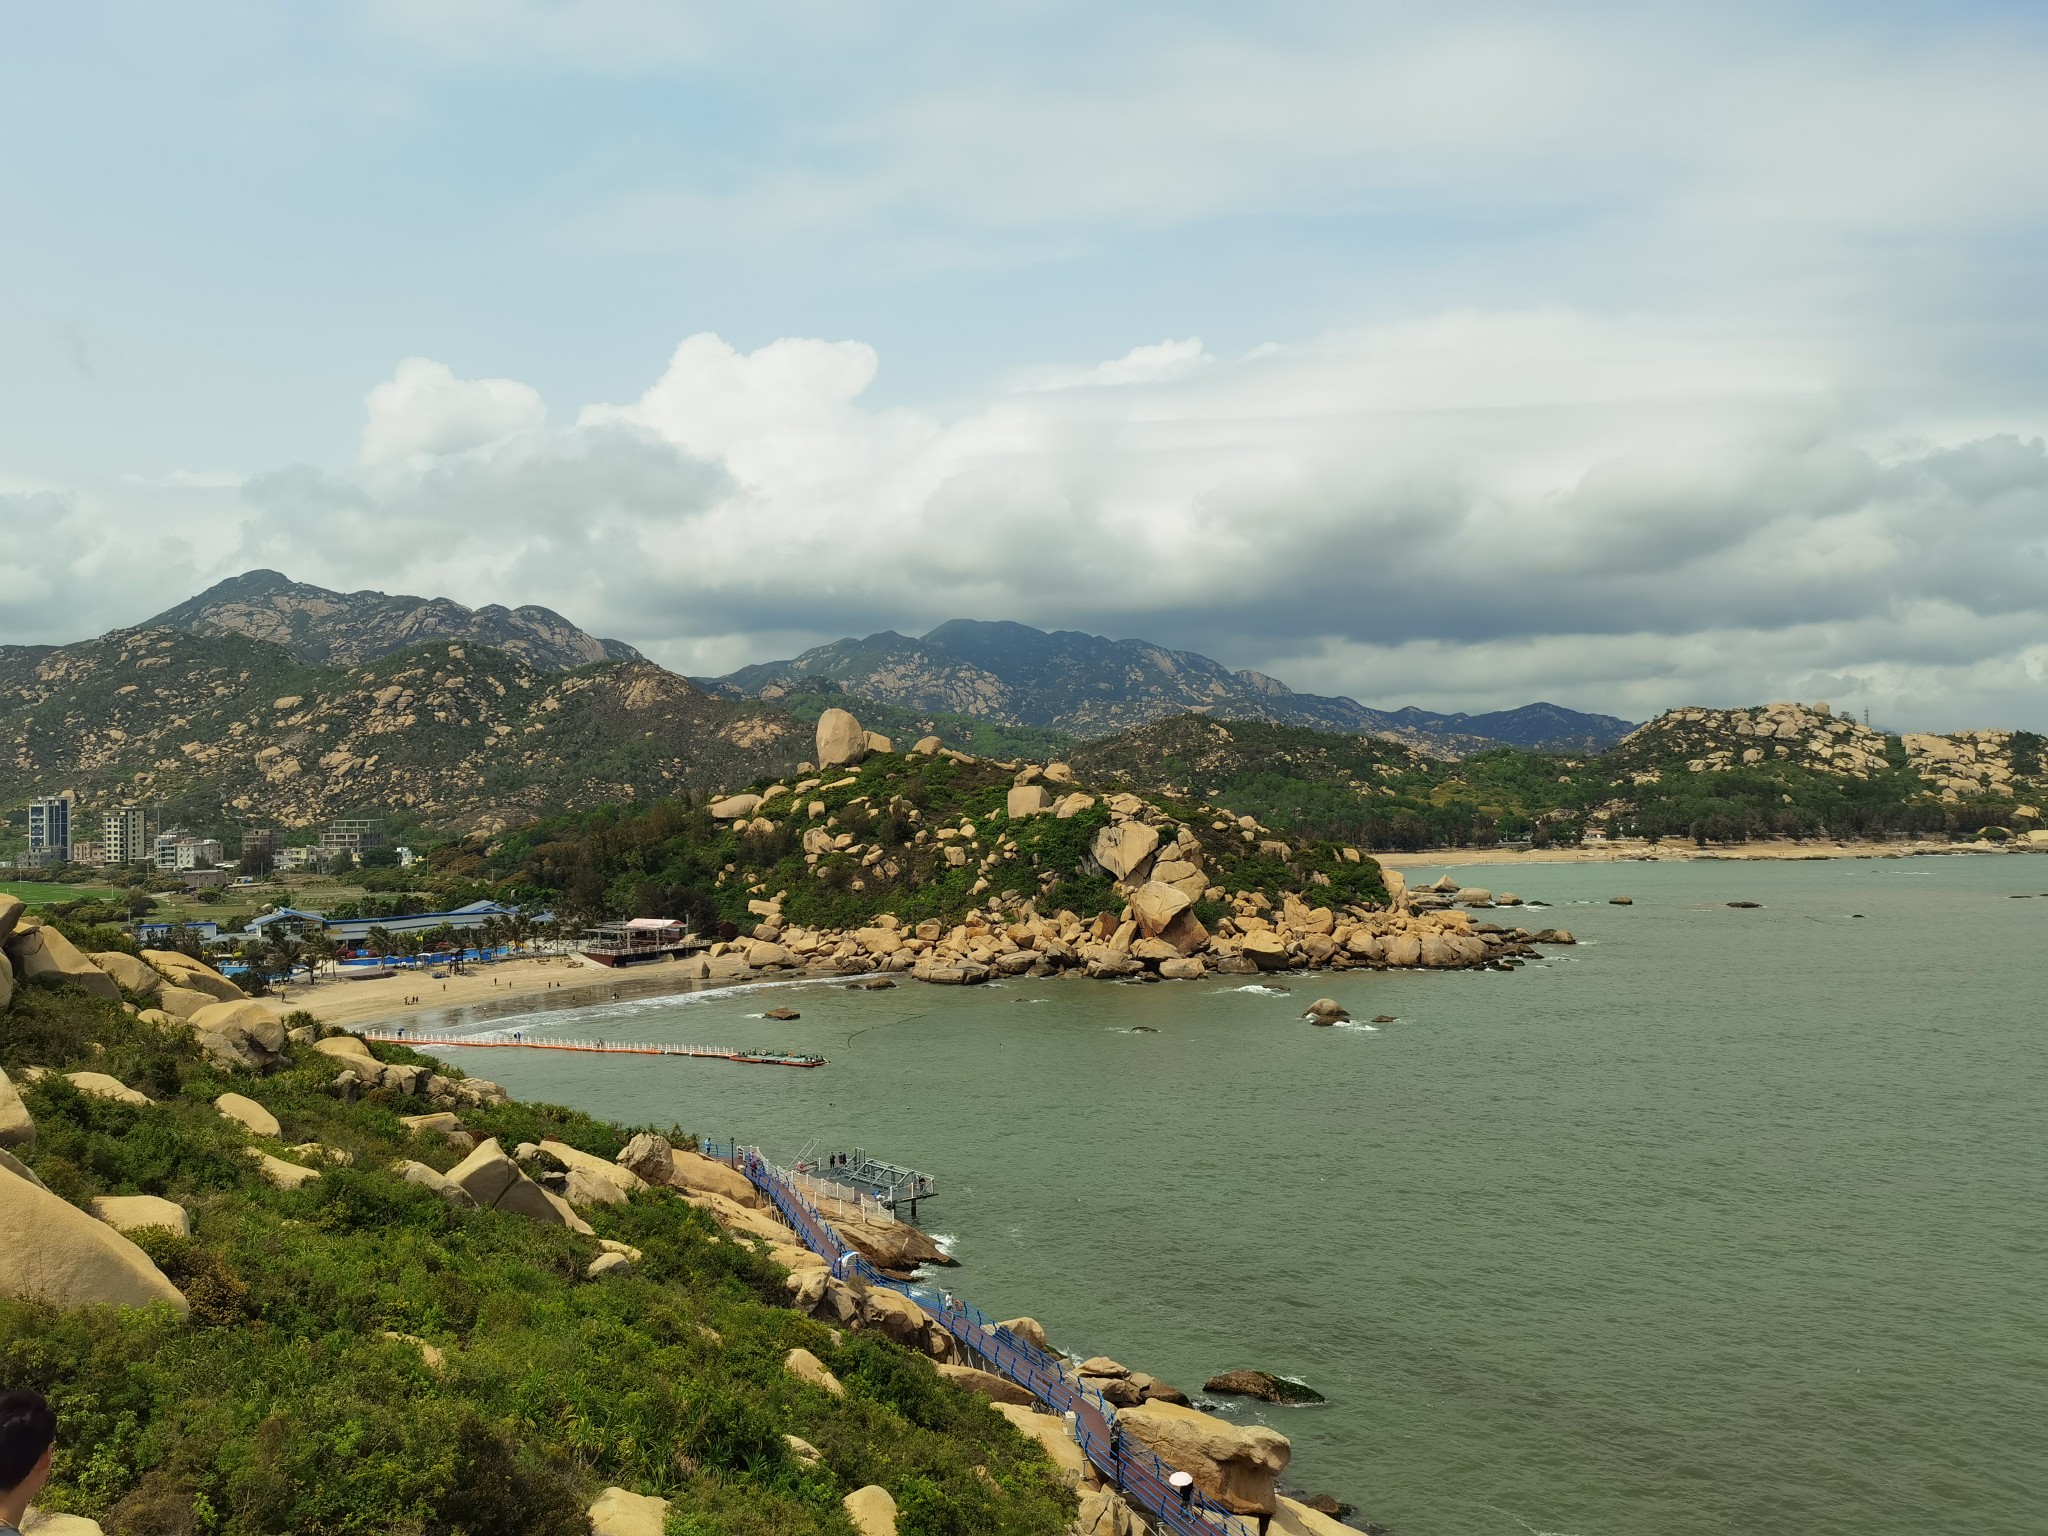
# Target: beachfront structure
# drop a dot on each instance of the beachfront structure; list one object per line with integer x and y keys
{"x": 124, "y": 836}
{"x": 49, "y": 831}
{"x": 284, "y": 922}
{"x": 352, "y": 837}
{"x": 353, "y": 930}
{"x": 154, "y": 933}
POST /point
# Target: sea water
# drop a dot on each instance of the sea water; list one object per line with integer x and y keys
{"x": 1724, "y": 1219}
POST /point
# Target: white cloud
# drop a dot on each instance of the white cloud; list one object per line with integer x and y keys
{"x": 423, "y": 412}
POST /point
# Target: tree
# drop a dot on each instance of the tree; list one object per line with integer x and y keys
{"x": 378, "y": 941}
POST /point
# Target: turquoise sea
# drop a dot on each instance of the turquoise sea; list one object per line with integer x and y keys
{"x": 1724, "y": 1220}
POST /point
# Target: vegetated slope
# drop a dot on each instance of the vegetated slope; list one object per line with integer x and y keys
{"x": 963, "y": 733}
{"x": 1799, "y": 770}
{"x": 224, "y": 731}
{"x": 348, "y": 628}
{"x": 1367, "y": 792}
{"x": 287, "y": 1402}
{"x": 1715, "y": 775}
{"x": 917, "y": 837}
{"x": 1090, "y": 686}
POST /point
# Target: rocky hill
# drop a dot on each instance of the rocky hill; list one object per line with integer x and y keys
{"x": 224, "y": 731}
{"x": 1090, "y": 686}
{"x": 347, "y": 629}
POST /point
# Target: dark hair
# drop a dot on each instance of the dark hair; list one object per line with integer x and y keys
{"x": 28, "y": 1428}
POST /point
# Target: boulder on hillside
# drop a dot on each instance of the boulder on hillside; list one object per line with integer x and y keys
{"x": 17, "y": 1128}
{"x": 495, "y": 1182}
{"x": 733, "y": 807}
{"x": 1266, "y": 949}
{"x": 805, "y": 1366}
{"x": 650, "y": 1157}
{"x": 344, "y": 1048}
{"x": 182, "y": 1002}
{"x": 434, "y": 1179}
{"x": 1028, "y": 800}
{"x": 277, "y": 1171}
{"x": 6, "y": 980}
{"x": 184, "y": 971}
{"x": 1154, "y": 905}
{"x": 11, "y": 910}
{"x": 248, "y": 1114}
{"x": 1029, "y": 1329}
{"x": 101, "y": 1086}
{"x": 41, "y": 953}
{"x": 706, "y": 1175}
{"x": 997, "y": 1389}
{"x": 601, "y": 1181}
{"x": 930, "y": 746}
{"x": 132, "y": 1213}
{"x": 52, "y": 1251}
{"x": 47, "y": 1522}
{"x": 1234, "y": 1465}
{"x": 618, "y": 1512}
{"x": 127, "y": 971}
{"x": 1072, "y": 805}
{"x": 609, "y": 1266}
{"x": 243, "y": 1035}
{"x": 1125, "y": 848}
{"x": 872, "y": 1510}
{"x": 1052, "y": 1433}
{"x": 877, "y": 742}
{"x": 841, "y": 741}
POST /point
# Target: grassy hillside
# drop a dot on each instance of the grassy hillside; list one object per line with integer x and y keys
{"x": 281, "y": 1405}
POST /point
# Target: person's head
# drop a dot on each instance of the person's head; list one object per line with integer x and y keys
{"x": 28, "y": 1432}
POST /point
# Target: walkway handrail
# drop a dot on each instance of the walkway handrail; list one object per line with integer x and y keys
{"x": 1141, "y": 1476}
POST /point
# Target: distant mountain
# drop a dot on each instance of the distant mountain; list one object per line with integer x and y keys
{"x": 221, "y": 732}
{"x": 347, "y": 629}
{"x": 1092, "y": 687}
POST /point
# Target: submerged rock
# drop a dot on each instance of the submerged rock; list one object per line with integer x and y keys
{"x": 1263, "y": 1385}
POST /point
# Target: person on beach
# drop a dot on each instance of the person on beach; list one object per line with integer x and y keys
{"x": 28, "y": 1438}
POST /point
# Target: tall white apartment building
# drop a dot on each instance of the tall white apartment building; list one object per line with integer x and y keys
{"x": 124, "y": 836}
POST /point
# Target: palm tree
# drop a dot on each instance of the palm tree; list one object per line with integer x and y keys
{"x": 378, "y": 941}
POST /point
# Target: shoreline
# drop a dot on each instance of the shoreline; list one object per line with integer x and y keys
{"x": 545, "y": 984}
{"x": 1684, "y": 850}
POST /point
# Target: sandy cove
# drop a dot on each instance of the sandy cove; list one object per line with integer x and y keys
{"x": 519, "y": 986}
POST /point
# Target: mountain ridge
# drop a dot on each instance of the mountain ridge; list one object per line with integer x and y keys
{"x": 327, "y": 628}
{"x": 1093, "y": 687}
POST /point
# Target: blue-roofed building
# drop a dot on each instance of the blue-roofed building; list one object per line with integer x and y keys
{"x": 353, "y": 930}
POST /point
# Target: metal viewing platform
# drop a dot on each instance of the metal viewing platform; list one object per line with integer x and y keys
{"x": 884, "y": 1183}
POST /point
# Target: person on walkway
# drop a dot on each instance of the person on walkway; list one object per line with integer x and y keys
{"x": 28, "y": 1436}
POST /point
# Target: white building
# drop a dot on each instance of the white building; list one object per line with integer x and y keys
{"x": 196, "y": 853}
{"x": 124, "y": 836}
{"x": 165, "y": 848}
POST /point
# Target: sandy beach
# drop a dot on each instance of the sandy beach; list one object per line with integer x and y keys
{"x": 515, "y": 986}
{"x": 1679, "y": 848}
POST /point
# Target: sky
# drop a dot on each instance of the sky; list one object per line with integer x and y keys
{"x": 1623, "y": 355}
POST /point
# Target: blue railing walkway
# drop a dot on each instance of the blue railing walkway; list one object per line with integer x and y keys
{"x": 1139, "y": 1475}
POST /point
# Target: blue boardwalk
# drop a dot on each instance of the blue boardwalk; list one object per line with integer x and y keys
{"x": 1132, "y": 1469}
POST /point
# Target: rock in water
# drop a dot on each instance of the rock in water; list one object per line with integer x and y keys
{"x": 1746, "y": 904}
{"x": 784, "y": 1014}
{"x": 1383, "y": 1018}
{"x": 1621, "y": 901}
{"x": 1263, "y": 1385}
{"x": 1326, "y": 1010}
{"x": 841, "y": 741}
